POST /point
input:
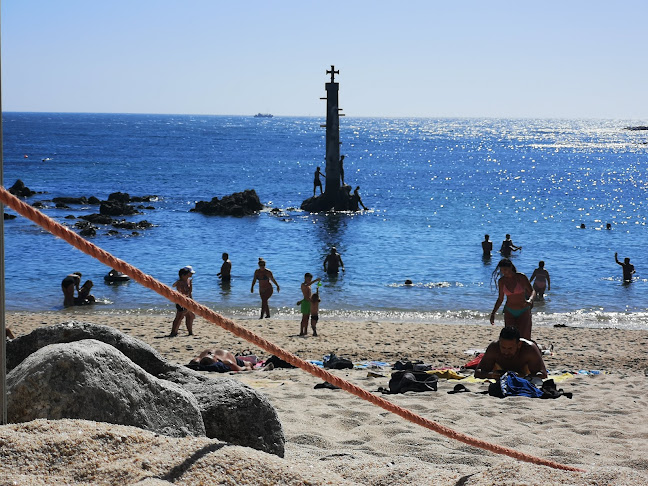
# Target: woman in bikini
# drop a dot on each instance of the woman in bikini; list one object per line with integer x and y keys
{"x": 542, "y": 280}
{"x": 264, "y": 276}
{"x": 519, "y": 297}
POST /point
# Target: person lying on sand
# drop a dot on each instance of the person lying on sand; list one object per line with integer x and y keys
{"x": 510, "y": 353}
{"x": 228, "y": 361}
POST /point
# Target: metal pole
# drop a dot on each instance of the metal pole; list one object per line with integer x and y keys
{"x": 3, "y": 326}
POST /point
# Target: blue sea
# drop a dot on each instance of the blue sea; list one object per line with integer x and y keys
{"x": 434, "y": 188}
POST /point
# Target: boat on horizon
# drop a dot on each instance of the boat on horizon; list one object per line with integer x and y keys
{"x": 263, "y": 115}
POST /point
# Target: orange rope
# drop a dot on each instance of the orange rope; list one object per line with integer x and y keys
{"x": 149, "y": 282}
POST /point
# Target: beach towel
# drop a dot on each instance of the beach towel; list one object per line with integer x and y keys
{"x": 473, "y": 363}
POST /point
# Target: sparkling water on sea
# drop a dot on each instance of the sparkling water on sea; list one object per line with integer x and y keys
{"x": 434, "y": 186}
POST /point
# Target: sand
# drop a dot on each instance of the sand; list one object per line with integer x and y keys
{"x": 333, "y": 437}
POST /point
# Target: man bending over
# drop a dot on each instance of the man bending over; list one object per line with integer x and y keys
{"x": 510, "y": 353}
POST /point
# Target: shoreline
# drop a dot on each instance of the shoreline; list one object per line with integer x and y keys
{"x": 333, "y": 437}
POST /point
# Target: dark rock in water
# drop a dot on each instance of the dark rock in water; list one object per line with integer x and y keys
{"x": 640, "y": 127}
{"x": 92, "y": 380}
{"x": 122, "y": 197}
{"x": 9, "y": 216}
{"x": 19, "y": 189}
{"x": 131, "y": 225}
{"x": 232, "y": 411}
{"x": 84, "y": 225}
{"x": 38, "y": 205}
{"x": 60, "y": 205}
{"x": 116, "y": 208}
{"x": 243, "y": 203}
{"x": 98, "y": 218}
{"x": 70, "y": 200}
{"x": 113, "y": 232}
{"x": 149, "y": 198}
{"x": 94, "y": 200}
{"x": 344, "y": 201}
{"x": 88, "y": 232}
{"x": 70, "y": 216}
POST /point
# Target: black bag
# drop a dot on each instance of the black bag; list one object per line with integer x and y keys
{"x": 416, "y": 381}
{"x": 337, "y": 363}
{"x": 277, "y": 362}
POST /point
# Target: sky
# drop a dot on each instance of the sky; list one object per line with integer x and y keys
{"x": 418, "y": 58}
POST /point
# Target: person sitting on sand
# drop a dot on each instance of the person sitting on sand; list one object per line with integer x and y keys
{"x": 85, "y": 297}
{"x": 511, "y": 353}
{"x": 228, "y": 362}
{"x": 185, "y": 287}
{"x": 508, "y": 247}
{"x": 628, "y": 268}
{"x": 67, "y": 285}
{"x": 542, "y": 280}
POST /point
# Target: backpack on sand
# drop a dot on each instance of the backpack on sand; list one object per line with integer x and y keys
{"x": 416, "y": 381}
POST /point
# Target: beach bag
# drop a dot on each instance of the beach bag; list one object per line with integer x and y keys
{"x": 416, "y": 381}
{"x": 277, "y": 362}
{"x": 337, "y": 363}
{"x": 511, "y": 385}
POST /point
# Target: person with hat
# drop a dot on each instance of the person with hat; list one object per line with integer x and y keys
{"x": 333, "y": 262}
{"x": 184, "y": 285}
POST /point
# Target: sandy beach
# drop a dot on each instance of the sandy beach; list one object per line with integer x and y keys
{"x": 333, "y": 437}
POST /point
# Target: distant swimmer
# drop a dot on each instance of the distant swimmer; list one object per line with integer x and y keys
{"x": 317, "y": 181}
{"x": 487, "y": 246}
{"x": 508, "y": 247}
{"x": 542, "y": 280}
{"x": 519, "y": 297}
{"x": 333, "y": 262}
{"x": 628, "y": 268}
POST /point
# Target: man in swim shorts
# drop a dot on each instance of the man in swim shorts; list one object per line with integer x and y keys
{"x": 305, "y": 303}
{"x": 628, "y": 268}
{"x": 511, "y": 353}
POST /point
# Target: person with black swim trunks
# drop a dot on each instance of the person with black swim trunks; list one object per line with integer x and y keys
{"x": 67, "y": 286}
{"x": 185, "y": 287}
{"x": 264, "y": 276}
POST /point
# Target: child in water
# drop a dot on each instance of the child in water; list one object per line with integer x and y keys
{"x": 84, "y": 296}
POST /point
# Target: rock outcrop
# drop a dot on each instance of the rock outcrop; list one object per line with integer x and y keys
{"x": 243, "y": 203}
{"x": 92, "y": 380}
{"x": 231, "y": 411}
{"x": 19, "y": 189}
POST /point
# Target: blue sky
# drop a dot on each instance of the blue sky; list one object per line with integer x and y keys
{"x": 565, "y": 59}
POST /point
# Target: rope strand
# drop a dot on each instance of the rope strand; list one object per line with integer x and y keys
{"x": 149, "y": 282}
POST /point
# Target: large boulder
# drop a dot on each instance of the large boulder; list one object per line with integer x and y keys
{"x": 116, "y": 208}
{"x": 232, "y": 412}
{"x": 243, "y": 203}
{"x": 92, "y": 380}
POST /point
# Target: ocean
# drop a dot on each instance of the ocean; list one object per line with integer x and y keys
{"x": 434, "y": 188}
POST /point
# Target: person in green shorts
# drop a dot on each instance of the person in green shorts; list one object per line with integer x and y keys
{"x": 305, "y": 303}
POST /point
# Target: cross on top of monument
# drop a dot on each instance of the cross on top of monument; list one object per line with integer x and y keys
{"x": 332, "y": 72}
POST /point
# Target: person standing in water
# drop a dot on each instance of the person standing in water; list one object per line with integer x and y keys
{"x": 508, "y": 247}
{"x": 542, "y": 280}
{"x": 519, "y": 297}
{"x": 628, "y": 268}
{"x": 225, "y": 273}
{"x": 333, "y": 262}
{"x": 264, "y": 276}
{"x": 487, "y": 246}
